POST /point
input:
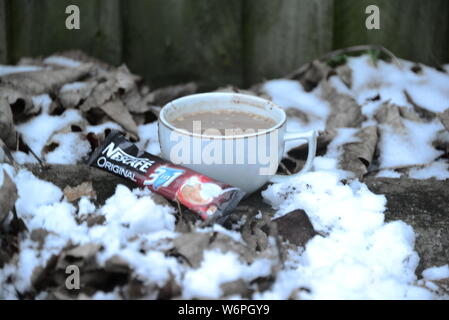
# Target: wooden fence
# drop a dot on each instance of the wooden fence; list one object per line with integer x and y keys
{"x": 218, "y": 42}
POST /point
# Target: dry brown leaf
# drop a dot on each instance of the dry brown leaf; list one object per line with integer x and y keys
{"x": 39, "y": 235}
{"x": 236, "y": 287}
{"x": 323, "y": 140}
{"x": 44, "y": 81}
{"x": 422, "y": 112}
{"x": 310, "y": 74}
{"x": 409, "y": 114}
{"x": 110, "y": 86}
{"x": 135, "y": 103}
{"x": 393, "y": 116}
{"x": 298, "y": 114}
{"x": 444, "y": 118}
{"x": 191, "y": 246}
{"x": 102, "y": 93}
{"x": 125, "y": 79}
{"x": 441, "y": 141}
{"x": 161, "y": 96}
{"x": 22, "y": 107}
{"x": 7, "y": 129}
{"x": 8, "y": 195}
{"x": 389, "y": 114}
{"x": 344, "y": 72}
{"x": 84, "y": 251}
{"x": 345, "y": 112}
{"x": 117, "y": 111}
{"x": 295, "y": 227}
{"x": 117, "y": 264}
{"x": 27, "y": 61}
{"x": 85, "y": 189}
{"x": 73, "y": 98}
{"x": 357, "y": 156}
{"x": 80, "y": 56}
{"x": 233, "y": 89}
{"x": 6, "y": 155}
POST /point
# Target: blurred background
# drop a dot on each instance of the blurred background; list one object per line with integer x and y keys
{"x": 217, "y": 42}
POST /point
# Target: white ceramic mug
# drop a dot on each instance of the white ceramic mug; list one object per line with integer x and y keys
{"x": 247, "y": 160}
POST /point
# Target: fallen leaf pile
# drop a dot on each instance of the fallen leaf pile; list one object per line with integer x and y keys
{"x": 108, "y": 97}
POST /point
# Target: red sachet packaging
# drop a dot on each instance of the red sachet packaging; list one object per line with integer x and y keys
{"x": 212, "y": 200}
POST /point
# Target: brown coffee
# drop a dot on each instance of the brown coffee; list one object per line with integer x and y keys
{"x": 226, "y": 121}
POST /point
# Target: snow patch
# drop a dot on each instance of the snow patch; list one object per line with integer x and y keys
{"x": 436, "y": 273}
{"x": 413, "y": 147}
{"x": 62, "y": 61}
{"x": 438, "y": 170}
{"x": 218, "y": 268}
{"x": 361, "y": 257}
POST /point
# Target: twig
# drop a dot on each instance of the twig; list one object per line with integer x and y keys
{"x": 337, "y": 52}
{"x": 36, "y": 157}
{"x": 179, "y": 208}
{"x": 405, "y": 167}
{"x": 31, "y": 151}
{"x": 285, "y": 169}
{"x": 365, "y": 47}
{"x": 8, "y": 154}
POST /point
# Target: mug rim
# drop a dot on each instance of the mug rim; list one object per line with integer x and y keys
{"x": 234, "y": 98}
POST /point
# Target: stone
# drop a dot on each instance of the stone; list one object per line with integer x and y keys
{"x": 424, "y": 205}
{"x": 295, "y": 227}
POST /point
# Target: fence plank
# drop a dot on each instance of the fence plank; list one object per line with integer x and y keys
{"x": 178, "y": 40}
{"x": 38, "y": 28}
{"x": 412, "y": 29}
{"x": 3, "y": 44}
{"x": 282, "y": 35}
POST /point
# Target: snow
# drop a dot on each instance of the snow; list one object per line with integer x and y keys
{"x": 431, "y": 92}
{"x": 344, "y": 136}
{"x": 446, "y": 67}
{"x": 413, "y": 147}
{"x": 290, "y": 94}
{"x": 432, "y": 98}
{"x": 216, "y": 269}
{"x": 141, "y": 214}
{"x": 149, "y": 138}
{"x": 22, "y": 157}
{"x": 129, "y": 214}
{"x": 4, "y": 69}
{"x": 438, "y": 169}
{"x": 62, "y": 61}
{"x": 436, "y": 273}
{"x": 100, "y": 128}
{"x": 85, "y": 206}
{"x": 100, "y": 295}
{"x": 428, "y": 89}
{"x": 38, "y": 130}
{"x": 74, "y": 86}
{"x": 355, "y": 255}
{"x": 361, "y": 257}
{"x": 388, "y": 174}
{"x": 58, "y": 217}
{"x": 43, "y": 101}
{"x": 153, "y": 266}
{"x": 323, "y": 163}
{"x": 72, "y": 148}
{"x": 27, "y": 185}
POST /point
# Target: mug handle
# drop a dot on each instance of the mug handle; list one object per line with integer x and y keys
{"x": 311, "y": 138}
